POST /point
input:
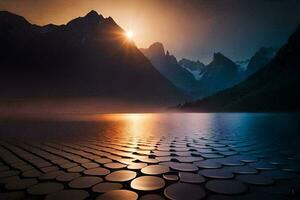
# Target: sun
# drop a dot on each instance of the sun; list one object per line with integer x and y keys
{"x": 129, "y": 34}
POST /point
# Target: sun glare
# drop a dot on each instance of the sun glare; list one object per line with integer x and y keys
{"x": 129, "y": 34}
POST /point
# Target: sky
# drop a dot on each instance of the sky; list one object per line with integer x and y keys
{"x": 193, "y": 29}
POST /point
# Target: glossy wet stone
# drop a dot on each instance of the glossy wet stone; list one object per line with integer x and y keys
{"x": 184, "y": 167}
{"x": 118, "y": 195}
{"x": 106, "y": 186}
{"x": 243, "y": 170}
{"x": 121, "y": 176}
{"x": 170, "y": 177}
{"x": 85, "y": 182}
{"x": 155, "y": 169}
{"x": 137, "y": 165}
{"x": 255, "y": 179}
{"x": 191, "y": 177}
{"x": 114, "y": 165}
{"x": 216, "y": 173}
{"x": 68, "y": 194}
{"x": 208, "y": 164}
{"x": 147, "y": 183}
{"x": 45, "y": 188}
{"x": 100, "y": 171}
{"x": 226, "y": 186}
{"x": 184, "y": 191}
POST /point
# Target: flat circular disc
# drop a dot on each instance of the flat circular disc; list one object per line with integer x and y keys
{"x": 105, "y": 187}
{"x": 118, "y": 195}
{"x": 99, "y": 171}
{"x": 155, "y": 169}
{"x": 147, "y": 183}
{"x": 121, "y": 176}
{"x": 184, "y": 191}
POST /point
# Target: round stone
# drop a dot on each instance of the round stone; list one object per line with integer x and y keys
{"x": 67, "y": 177}
{"x": 121, "y": 176}
{"x": 183, "y": 191}
{"x": 147, "y": 183}
{"x": 191, "y": 177}
{"x": 170, "y": 177}
{"x": 100, "y": 171}
{"x": 90, "y": 165}
{"x": 137, "y": 165}
{"x": 184, "y": 167}
{"x": 216, "y": 173}
{"x": 255, "y": 179}
{"x": 76, "y": 169}
{"x": 208, "y": 164}
{"x": 20, "y": 184}
{"x": 243, "y": 170}
{"x": 45, "y": 188}
{"x": 226, "y": 186}
{"x": 103, "y": 160}
{"x": 114, "y": 165}
{"x": 155, "y": 169}
{"x": 105, "y": 187}
{"x": 68, "y": 194}
{"x": 85, "y": 182}
{"x": 118, "y": 194}
{"x": 261, "y": 165}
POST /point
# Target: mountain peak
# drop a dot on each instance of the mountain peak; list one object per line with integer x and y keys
{"x": 158, "y": 47}
{"x": 90, "y": 18}
{"x": 93, "y": 15}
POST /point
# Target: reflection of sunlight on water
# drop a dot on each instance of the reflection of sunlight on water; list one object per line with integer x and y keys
{"x": 153, "y": 124}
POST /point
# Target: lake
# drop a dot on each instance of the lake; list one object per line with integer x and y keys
{"x": 151, "y": 156}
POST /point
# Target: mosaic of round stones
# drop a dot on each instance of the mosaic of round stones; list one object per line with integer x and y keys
{"x": 184, "y": 166}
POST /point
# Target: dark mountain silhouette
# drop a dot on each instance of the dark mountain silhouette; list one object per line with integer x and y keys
{"x": 219, "y": 74}
{"x": 87, "y": 57}
{"x": 275, "y": 87}
{"x": 168, "y": 66}
{"x": 262, "y": 57}
{"x": 195, "y": 67}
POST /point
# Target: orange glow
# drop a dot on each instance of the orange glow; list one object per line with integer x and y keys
{"x": 129, "y": 35}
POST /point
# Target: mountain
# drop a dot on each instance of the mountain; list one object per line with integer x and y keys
{"x": 262, "y": 57}
{"x": 168, "y": 66}
{"x": 87, "y": 57}
{"x": 275, "y": 87}
{"x": 219, "y": 74}
{"x": 194, "y": 67}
